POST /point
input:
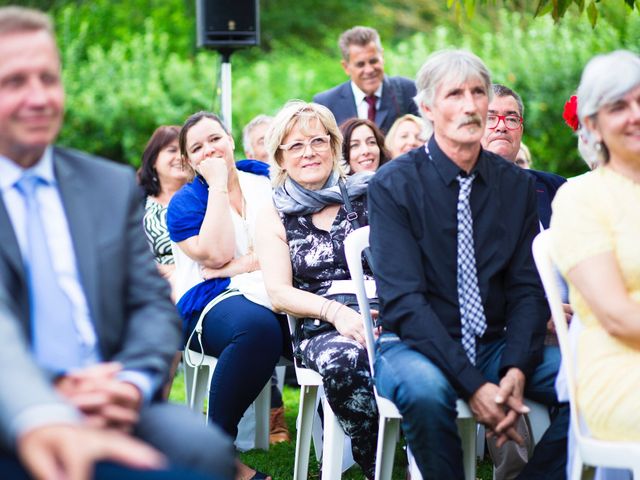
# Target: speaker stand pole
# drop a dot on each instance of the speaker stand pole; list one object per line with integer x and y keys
{"x": 225, "y": 81}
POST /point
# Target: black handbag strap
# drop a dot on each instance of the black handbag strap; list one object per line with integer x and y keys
{"x": 352, "y": 216}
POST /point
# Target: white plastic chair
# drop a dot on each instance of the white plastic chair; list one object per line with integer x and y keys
{"x": 198, "y": 372}
{"x": 589, "y": 451}
{"x": 333, "y": 441}
{"x": 390, "y": 418}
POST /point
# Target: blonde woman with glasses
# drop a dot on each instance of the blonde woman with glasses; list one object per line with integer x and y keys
{"x": 302, "y": 257}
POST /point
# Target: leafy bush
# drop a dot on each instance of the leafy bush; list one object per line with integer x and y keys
{"x": 117, "y": 96}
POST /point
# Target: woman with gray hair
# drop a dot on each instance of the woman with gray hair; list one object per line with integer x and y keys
{"x": 595, "y": 228}
{"x": 302, "y": 258}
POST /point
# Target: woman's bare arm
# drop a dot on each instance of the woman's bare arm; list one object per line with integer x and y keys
{"x": 600, "y": 282}
{"x": 273, "y": 253}
{"x": 214, "y": 246}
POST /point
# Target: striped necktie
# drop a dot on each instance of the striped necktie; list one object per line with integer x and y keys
{"x": 371, "y": 113}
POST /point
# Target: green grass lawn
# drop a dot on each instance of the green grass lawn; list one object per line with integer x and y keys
{"x": 278, "y": 461}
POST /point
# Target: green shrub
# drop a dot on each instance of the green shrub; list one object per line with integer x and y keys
{"x": 116, "y": 97}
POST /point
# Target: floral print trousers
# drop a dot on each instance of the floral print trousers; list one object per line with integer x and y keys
{"x": 344, "y": 367}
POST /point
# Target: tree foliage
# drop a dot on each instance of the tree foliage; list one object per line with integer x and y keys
{"x": 556, "y": 8}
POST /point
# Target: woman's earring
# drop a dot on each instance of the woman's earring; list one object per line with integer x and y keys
{"x": 599, "y": 147}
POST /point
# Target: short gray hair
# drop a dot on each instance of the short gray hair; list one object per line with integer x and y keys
{"x": 361, "y": 36}
{"x": 21, "y": 19}
{"x": 454, "y": 66}
{"x": 606, "y": 79}
{"x": 298, "y": 112}
{"x": 503, "y": 91}
{"x": 248, "y": 129}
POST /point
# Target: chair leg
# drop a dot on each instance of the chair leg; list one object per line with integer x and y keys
{"x": 263, "y": 407}
{"x": 308, "y": 395}
{"x": 199, "y": 389}
{"x": 387, "y": 438}
{"x": 576, "y": 466}
{"x": 280, "y": 373}
{"x": 414, "y": 471}
{"x": 467, "y": 429}
{"x": 538, "y": 418}
{"x": 206, "y": 389}
{"x": 188, "y": 384}
{"x": 480, "y": 441}
{"x": 332, "y": 444}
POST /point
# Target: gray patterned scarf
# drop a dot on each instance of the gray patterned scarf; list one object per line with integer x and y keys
{"x": 292, "y": 198}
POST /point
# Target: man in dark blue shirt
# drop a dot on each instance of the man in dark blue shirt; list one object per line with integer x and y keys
{"x": 463, "y": 311}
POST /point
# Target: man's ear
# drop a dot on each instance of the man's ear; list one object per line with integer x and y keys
{"x": 345, "y": 67}
{"x": 426, "y": 111}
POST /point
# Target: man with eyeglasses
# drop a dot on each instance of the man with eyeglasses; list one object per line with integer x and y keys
{"x": 503, "y": 135}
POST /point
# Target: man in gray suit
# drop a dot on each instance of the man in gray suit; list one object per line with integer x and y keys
{"x": 87, "y": 329}
{"x": 369, "y": 93}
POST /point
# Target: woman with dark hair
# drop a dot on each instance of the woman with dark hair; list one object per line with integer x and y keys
{"x": 362, "y": 146}
{"x": 160, "y": 176}
{"x": 223, "y": 301}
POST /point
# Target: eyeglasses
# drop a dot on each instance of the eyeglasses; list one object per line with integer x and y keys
{"x": 512, "y": 122}
{"x": 319, "y": 144}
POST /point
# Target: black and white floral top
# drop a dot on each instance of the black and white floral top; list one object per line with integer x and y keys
{"x": 317, "y": 256}
{"x": 155, "y": 227}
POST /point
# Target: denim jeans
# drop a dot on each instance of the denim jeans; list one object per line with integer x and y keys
{"x": 427, "y": 402}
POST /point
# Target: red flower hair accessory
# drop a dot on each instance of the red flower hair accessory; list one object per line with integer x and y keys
{"x": 570, "y": 113}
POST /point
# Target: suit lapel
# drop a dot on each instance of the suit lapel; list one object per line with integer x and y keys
{"x": 544, "y": 203}
{"x": 75, "y": 195}
{"x": 9, "y": 243}
{"x": 387, "y": 104}
{"x": 15, "y": 276}
{"x": 348, "y": 102}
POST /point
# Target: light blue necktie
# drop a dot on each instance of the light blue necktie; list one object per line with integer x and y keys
{"x": 55, "y": 339}
{"x": 472, "y": 316}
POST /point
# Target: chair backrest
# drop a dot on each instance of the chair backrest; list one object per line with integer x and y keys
{"x": 541, "y": 247}
{"x": 354, "y": 245}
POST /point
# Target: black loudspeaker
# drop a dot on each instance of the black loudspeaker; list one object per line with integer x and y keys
{"x": 227, "y": 24}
